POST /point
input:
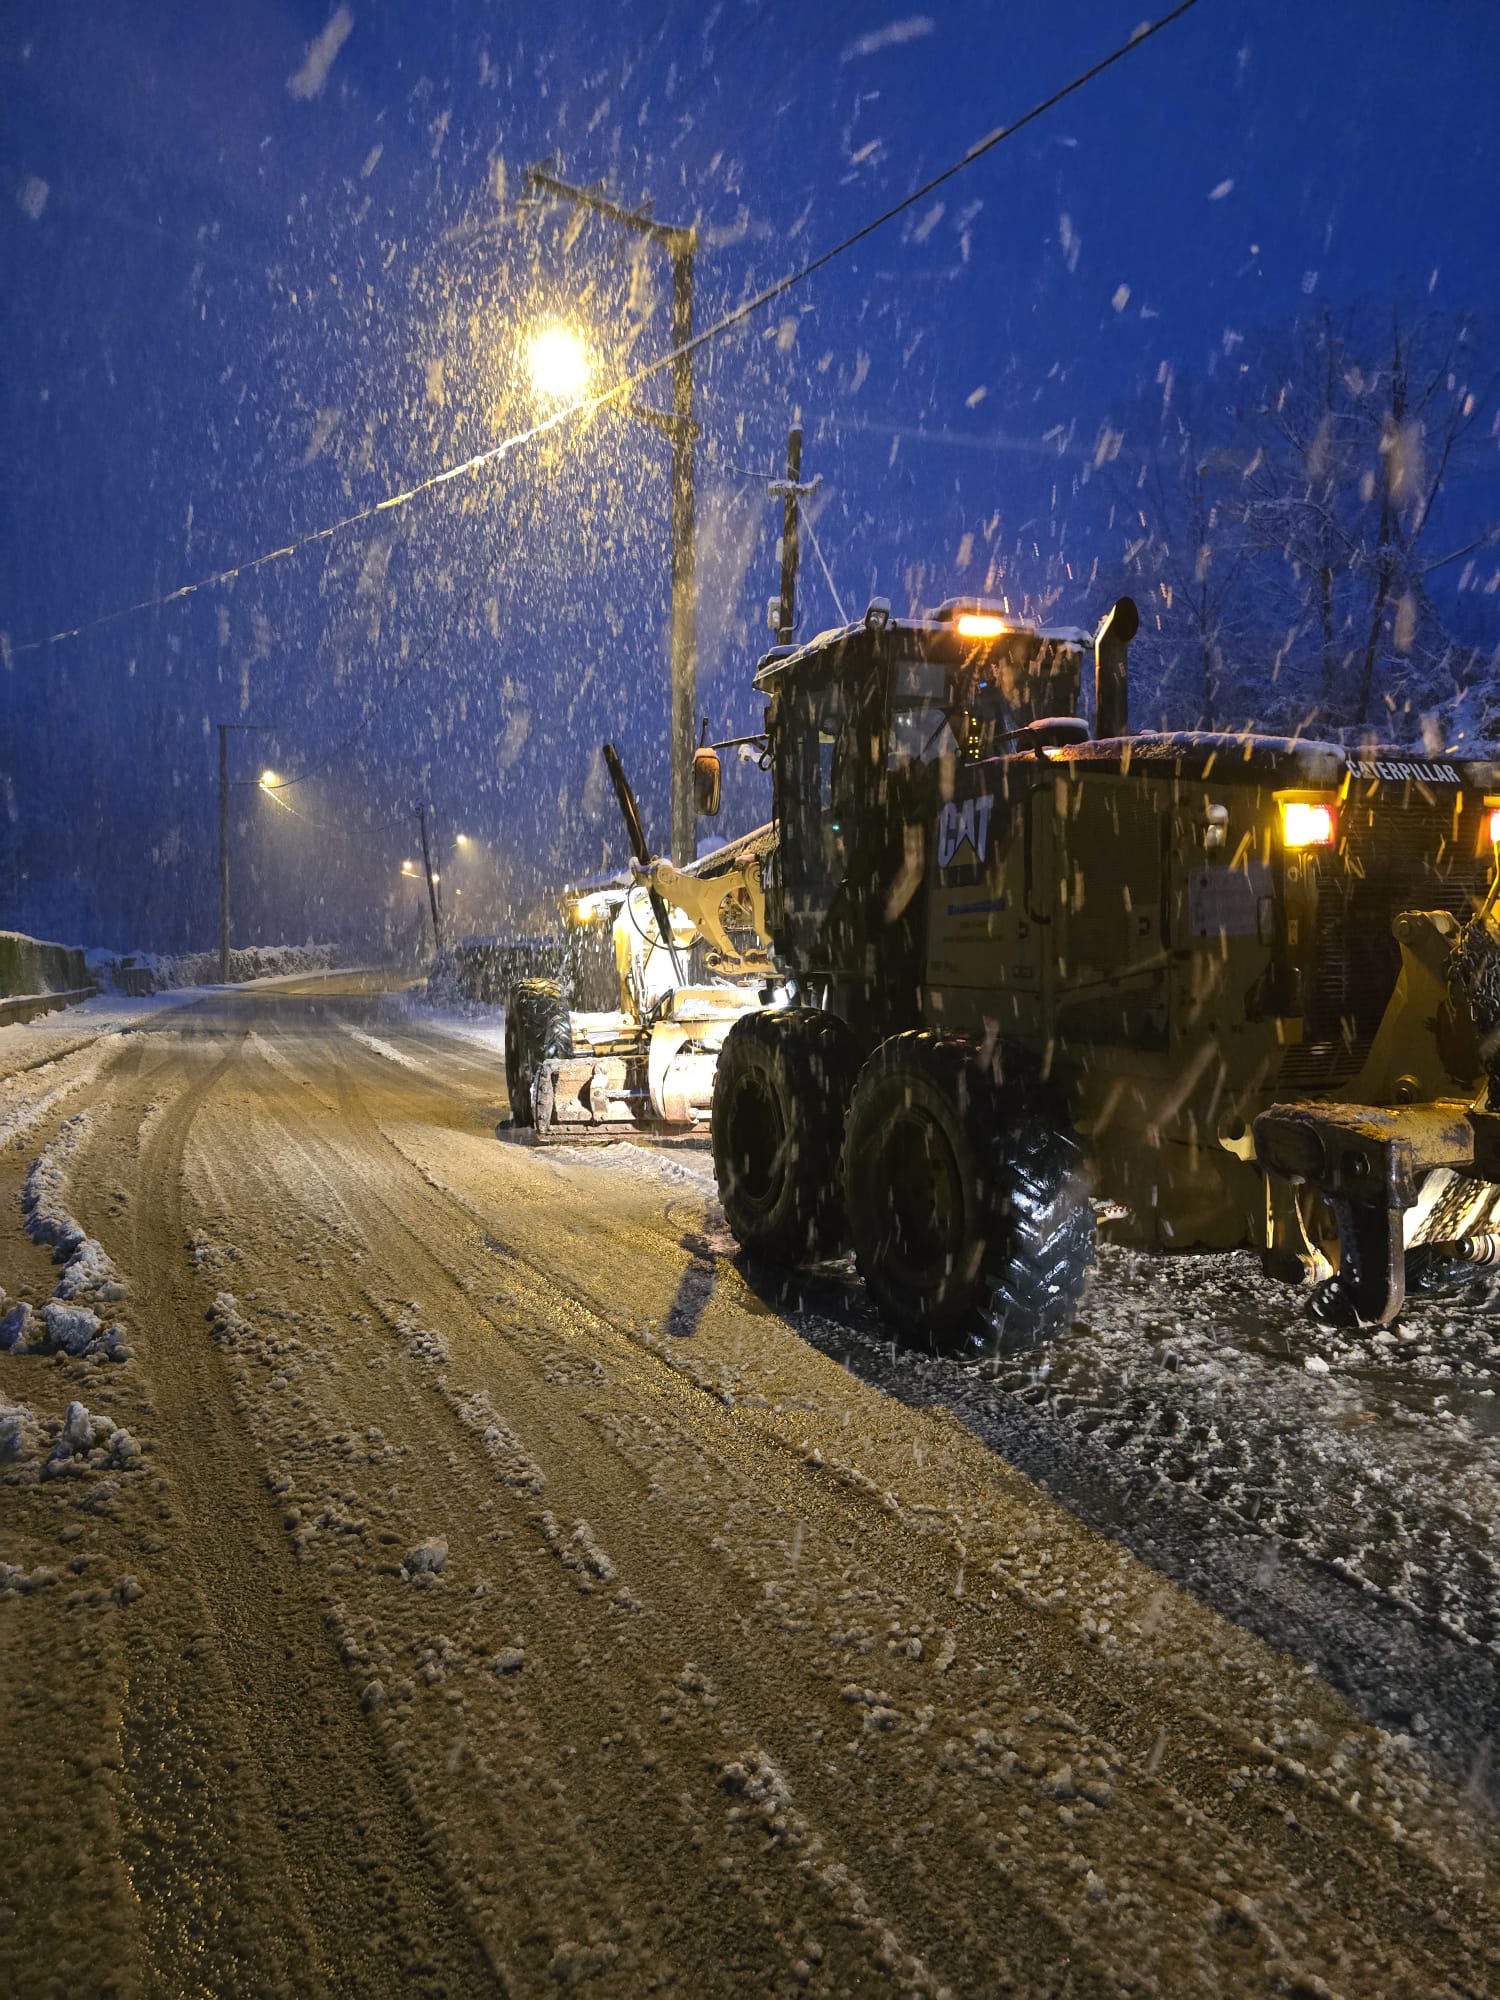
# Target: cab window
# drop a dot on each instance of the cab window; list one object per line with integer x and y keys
{"x": 922, "y": 727}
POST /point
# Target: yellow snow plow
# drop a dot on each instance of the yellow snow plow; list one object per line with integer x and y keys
{"x": 690, "y": 956}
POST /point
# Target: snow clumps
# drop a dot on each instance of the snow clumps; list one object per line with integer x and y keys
{"x": 76, "y": 1444}
{"x": 427, "y": 1561}
{"x": 95, "y": 1442}
{"x": 754, "y": 1778}
{"x": 15, "y": 1324}
{"x": 89, "y": 1272}
{"x": 578, "y": 1551}
{"x": 68, "y": 1322}
{"x": 21, "y": 1435}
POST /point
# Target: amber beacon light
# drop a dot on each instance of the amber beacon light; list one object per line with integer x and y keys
{"x": 1304, "y": 825}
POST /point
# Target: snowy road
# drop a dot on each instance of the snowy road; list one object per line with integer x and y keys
{"x": 476, "y": 1582}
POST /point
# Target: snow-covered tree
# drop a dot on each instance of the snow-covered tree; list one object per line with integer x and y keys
{"x": 1207, "y": 654}
{"x": 1293, "y": 530}
{"x": 1361, "y": 434}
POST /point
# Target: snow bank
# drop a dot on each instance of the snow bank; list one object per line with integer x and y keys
{"x": 33, "y": 1054}
{"x": 142, "y": 972}
{"x": 465, "y": 1020}
{"x": 67, "y": 1321}
{"x": 31, "y": 965}
{"x": 88, "y": 1270}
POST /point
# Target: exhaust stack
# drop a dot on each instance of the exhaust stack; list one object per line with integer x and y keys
{"x": 1112, "y": 668}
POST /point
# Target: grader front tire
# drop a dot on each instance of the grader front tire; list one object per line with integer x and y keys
{"x": 972, "y": 1223}
{"x": 781, "y": 1089}
{"x": 536, "y": 1028}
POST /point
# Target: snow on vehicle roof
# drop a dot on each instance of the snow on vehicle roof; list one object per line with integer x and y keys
{"x": 781, "y": 657}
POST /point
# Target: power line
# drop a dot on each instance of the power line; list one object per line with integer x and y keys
{"x": 977, "y": 151}
{"x": 588, "y": 406}
{"x": 332, "y": 756}
{"x": 833, "y": 589}
{"x": 321, "y": 825}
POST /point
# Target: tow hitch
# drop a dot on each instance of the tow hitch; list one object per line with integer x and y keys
{"x": 1369, "y": 1163}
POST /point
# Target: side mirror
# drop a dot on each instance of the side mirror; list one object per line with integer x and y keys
{"x": 708, "y": 781}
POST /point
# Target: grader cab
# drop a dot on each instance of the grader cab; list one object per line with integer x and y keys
{"x": 1226, "y": 990}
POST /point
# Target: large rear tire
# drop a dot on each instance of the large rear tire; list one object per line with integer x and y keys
{"x": 536, "y": 1027}
{"x": 781, "y": 1089}
{"x": 972, "y": 1223}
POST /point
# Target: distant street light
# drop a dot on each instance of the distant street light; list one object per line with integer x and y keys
{"x": 558, "y": 363}
{"x": 462, "y": 839}
{"x": 269, "y": 780}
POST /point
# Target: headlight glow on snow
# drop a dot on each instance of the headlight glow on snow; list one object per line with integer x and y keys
{"x": 1305, "y": 825}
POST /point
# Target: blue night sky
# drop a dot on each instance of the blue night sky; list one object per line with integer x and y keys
{"x": 249, "y": 292}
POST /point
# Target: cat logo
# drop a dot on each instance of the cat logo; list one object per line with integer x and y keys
{"x": 1398, "y": 772}
{"x": 964, "y": 824}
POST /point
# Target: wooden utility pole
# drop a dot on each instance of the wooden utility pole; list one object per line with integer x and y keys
{"x": 224, "y": 853}
{"x": 224, "y": 729}
{"x": 684, "y": 558}
{"x": 432, "y": 887}
{"x": 680, "y": 426}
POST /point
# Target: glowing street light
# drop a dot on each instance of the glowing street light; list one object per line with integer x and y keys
{"x": 558, "y": 363}
{"x": 462, "y": 839}
{"x": 269, "y": 780}
{"x": 408, "y": 868}
{"x": 681, "y": 427}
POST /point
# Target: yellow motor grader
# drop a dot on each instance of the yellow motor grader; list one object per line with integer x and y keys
{"x": 689, "y": 957}
{"x": 1240, "y": 990}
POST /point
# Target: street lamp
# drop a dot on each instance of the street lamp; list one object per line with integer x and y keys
{"x": 558, "y": 363}
{"x": 679, "y": 425}
{"x": 269, "y": 781}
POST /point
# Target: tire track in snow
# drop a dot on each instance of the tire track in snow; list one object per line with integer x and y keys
{"x": 322, "y": 1818}
{"x": 712, "y": 1777}
{"x": 555, "y": 1615}
{"x": 1402, "y": 1648}
{"x": 428, "y": 1234}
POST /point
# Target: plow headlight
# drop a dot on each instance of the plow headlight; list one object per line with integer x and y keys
{"x": 1494, "y": 825}
{"x": 1305, "y": 825}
